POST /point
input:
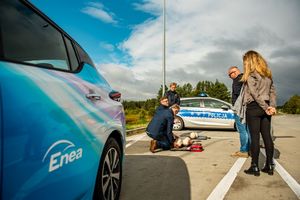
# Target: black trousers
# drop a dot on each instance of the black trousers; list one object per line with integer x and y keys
{"x": 259, "y": 122}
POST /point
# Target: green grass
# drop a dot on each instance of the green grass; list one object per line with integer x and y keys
{"x": 134, "y": 126}
{"x": 134, "y": 121}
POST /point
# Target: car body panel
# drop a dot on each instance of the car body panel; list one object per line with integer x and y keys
{"x": 56, "y": 113}
{"x": 76, "y": 127}
{"x": 195, "y": 114}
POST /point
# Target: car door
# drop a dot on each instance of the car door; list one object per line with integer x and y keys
{"x": 190, "y": 112}
{"x": 217, "y": 114}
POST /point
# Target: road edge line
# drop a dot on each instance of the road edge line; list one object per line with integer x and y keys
{"x": 292, "y": 183}
{"x": 135, "y": 140}
{"x": 224, "y": 185}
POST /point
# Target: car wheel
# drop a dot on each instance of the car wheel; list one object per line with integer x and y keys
{"x": 178, "y": 124}
{"x": 109, "y": 177}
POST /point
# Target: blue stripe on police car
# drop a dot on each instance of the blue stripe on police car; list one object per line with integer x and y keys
{"x": 206, "y": 114}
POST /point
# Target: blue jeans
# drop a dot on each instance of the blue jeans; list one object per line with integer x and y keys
{"x": 163, "y": 142}
{"x": 244, "y": 134}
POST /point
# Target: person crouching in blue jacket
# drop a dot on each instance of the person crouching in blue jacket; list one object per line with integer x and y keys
{"x": 160, "y": 128}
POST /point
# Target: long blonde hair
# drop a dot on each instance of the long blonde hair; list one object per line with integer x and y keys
{"x": 253, "y": 61}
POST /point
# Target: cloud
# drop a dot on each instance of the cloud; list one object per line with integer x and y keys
{"x": 107, "y": 46}
{"x": 98, "y": 11}
{"x": 203, "y": 39}
{"x": 148, "y": 6}
{"x": 117, "y": 73}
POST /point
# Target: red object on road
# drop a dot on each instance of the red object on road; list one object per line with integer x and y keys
{"x": 196, "y": 148}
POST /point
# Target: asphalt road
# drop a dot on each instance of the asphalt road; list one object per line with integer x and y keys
{"x": 213, "y": 174}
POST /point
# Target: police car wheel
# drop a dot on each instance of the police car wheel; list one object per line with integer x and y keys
{"x": 178, "y": 124}
{"x": 109, "y": 178}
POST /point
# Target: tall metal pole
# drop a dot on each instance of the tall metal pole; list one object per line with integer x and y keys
{"x": 164, "y": 50}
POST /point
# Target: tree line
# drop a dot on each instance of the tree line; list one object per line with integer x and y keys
{"x": 292, "y": 106}
{"x": 140, "y": 112}
{"x": 213, "y": 89}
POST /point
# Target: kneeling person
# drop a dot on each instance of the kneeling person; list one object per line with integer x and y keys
{"x": 160, "y": 128}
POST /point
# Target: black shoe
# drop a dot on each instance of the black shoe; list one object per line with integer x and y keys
{"x": 253, "y": 170}
{"x": 268, "y": 169}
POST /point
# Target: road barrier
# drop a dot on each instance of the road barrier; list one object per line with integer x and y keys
{"x": 135, "y": 131}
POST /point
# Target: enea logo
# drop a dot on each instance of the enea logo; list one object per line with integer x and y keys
{"x": 60, "y": 156}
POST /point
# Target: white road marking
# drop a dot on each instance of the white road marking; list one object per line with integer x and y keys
{"x": 135, "y": 139}
{"x": 294, "y": 185}
{"x": 224, "y": 185}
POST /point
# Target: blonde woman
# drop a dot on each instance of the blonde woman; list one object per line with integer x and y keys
{"x": 260, "y": 99}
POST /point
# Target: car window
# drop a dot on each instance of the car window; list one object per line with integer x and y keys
{"x": 72, "y": 55}
{"x": 190, "y": 103}
{"x": 212, "y": 103}
{"x": 29, "y": 38}
{"x": 84, "y": 56}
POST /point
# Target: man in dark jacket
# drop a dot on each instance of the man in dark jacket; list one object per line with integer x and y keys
{"x": 160, "y": 128}
{"x": 164, "y": 104}
{"x": 172, "y": 95}
{"x": 235, "y": 74}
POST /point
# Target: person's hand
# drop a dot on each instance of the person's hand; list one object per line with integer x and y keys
{"x": 274, "y": 111}
{"x": 177, "y": 143}
{"x": 175, "y": 136}
{"x": 268, "y": 111}
{"x": 271, "y": 110}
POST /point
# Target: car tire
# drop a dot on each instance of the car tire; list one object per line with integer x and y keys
{"x": 109, "y": 177}
{"x": 178, "y": 124}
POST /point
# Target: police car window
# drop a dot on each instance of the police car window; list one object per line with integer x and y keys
{"x": 190, "y": 103}
{"x": 211, "y": 103}
{"x": 29, "y": 38}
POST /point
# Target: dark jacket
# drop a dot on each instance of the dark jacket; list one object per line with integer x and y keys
{"x": 161, "y": 107}
{"x": 236, "y": 88}
{"x": 173, "y": 97}
{"x": 161, "y": 124}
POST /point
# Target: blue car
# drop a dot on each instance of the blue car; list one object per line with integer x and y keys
{"x": 62, "y": 127}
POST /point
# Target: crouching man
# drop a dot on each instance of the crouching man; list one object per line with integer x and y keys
{"x": 160, "y": 128}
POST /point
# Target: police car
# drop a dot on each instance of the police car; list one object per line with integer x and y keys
{"x": 62, "y": 127}
{"x": 204, "y": 112}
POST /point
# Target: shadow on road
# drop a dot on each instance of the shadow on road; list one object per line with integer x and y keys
{"x": 158, "y": 177}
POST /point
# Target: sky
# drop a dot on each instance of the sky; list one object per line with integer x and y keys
{"x": 204, "y": 38}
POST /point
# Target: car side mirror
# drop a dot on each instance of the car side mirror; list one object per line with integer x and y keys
{"x": 115, "y": 95}
{"x": 225, "y": 107}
